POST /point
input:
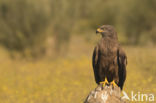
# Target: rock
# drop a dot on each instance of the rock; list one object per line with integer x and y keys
{"x": 106, "y": 94}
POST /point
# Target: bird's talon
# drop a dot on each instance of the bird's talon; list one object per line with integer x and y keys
{"x": 113, "y": 83}
{"x": 104, "y": 82}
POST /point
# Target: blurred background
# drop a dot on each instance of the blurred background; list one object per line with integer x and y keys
{"x": 46, "y": 47}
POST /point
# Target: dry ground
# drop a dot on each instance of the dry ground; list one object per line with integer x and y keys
{"x": 69, "y": 79}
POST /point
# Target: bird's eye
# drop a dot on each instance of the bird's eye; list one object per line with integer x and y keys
{"x": 102, "y": 28}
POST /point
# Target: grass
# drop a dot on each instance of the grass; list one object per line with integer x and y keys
{"x": 69, "y": 79}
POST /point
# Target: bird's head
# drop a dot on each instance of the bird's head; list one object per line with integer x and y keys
{"x": 107, "y": 31}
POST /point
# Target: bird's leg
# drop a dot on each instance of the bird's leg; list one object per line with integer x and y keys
{"x": 113, "y": 83}
{"x": 104, "y": 82}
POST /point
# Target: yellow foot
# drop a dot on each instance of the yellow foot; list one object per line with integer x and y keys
{"x": 104, "y": 82}
{"x": 113, "y": 83}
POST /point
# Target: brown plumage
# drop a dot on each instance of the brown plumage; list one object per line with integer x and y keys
{"x": 109, "y": 60}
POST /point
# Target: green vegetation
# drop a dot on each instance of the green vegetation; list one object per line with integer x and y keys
{"x": 66, "y": 29}
{"x": 26, "y": 25}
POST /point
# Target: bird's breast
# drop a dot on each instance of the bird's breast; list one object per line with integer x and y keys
{"x": 107, "y": 55}
{"x": 108, "y": 51}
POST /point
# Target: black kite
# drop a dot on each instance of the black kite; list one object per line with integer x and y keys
{"x": 109, "y": 60}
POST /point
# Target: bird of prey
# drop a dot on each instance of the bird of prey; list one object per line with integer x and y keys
{"x": 109, "y": 59}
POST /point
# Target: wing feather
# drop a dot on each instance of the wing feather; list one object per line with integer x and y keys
{"x": 94, "y": 64}
{"x": 122, "y": 62}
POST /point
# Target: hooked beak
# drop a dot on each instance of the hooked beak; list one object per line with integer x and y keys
{"x": 99, "y": 30}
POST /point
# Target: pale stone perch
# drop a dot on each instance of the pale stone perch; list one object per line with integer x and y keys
{"x": 106, "y": 94}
